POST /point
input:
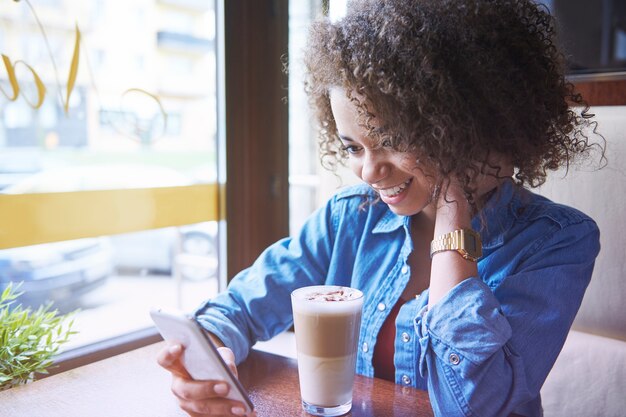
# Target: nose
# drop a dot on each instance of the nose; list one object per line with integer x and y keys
{"x": 375, "y": 167}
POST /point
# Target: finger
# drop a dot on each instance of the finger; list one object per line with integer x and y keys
{"x": 169, "y": 358}
{"x": 190, "y": 390}
{"x": 213, "y": 407}
{"x": 229, "y": 359}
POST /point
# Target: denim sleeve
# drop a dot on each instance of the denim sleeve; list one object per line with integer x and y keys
{"x": 242, "y": 315}
{"x": 487, "y": 351}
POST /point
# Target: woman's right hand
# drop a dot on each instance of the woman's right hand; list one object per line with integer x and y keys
{"x": 200, "y": 398}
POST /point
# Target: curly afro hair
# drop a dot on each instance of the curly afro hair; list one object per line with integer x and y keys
{"x": 453, "y": 80}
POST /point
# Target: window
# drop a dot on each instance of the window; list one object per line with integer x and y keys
{"x": 105, "y": 124}
{"x": 108, "y": 197}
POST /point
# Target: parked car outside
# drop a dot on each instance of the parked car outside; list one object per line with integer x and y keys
{"x": 59, "y": 272}
{"x": 192, "y": 249}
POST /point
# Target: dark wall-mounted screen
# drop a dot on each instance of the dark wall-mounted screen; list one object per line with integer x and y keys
{"x": 592, "y": 33}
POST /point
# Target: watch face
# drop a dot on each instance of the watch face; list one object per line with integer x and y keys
{"x": 471, "y": 244}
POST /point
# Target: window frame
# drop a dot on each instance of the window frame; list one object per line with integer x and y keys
{"x": 256, "y": 128}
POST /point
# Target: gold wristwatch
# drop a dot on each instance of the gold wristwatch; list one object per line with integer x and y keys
{"x": 464, "y": 241}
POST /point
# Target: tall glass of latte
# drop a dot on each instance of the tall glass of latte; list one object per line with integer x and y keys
{"x": 327, "y": 320}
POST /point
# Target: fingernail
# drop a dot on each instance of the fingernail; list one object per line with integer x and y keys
{"x": 238, "y": 411}
{"x": 221, "y": 389}
{"x": 175, "y": 349}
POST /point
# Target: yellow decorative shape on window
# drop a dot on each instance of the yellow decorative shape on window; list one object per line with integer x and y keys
{"x": 10, "y": 68}
{"x": 29, "y": 219}
{"x": 71, "y": 78}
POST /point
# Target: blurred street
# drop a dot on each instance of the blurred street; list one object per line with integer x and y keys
{"x": 122, "y": 305}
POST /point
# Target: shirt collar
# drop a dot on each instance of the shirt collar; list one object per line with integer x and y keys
{"x": 389, "y": 221}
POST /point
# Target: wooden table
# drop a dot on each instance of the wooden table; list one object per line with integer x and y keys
{"x": 133, "y": 385}
{"x": 272, "y": 382}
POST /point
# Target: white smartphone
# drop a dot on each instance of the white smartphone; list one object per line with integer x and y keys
{"x": 200, "y": 355}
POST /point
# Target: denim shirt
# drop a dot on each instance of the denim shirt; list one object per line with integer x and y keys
{"x": 484, "y": 349}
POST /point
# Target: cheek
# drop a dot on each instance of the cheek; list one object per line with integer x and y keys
{"x": 423, "y": 174}
{"x": 410, "y": 164}
{"x": 423, "y": 182}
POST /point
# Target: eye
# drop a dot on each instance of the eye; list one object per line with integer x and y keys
{"x": 351, "y": 149}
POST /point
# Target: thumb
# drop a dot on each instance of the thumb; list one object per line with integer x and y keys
{"x": 229, "y": 359}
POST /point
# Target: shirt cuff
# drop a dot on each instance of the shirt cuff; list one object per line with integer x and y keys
{"x": 466, "y": 324}
{"x": 215, "y": 322}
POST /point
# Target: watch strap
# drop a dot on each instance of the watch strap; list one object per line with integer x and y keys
{"x": 464, "y": 241}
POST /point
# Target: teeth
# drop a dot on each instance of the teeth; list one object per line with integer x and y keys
{"x": 393, "y": 191}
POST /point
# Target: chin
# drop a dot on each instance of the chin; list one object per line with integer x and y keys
{"x": 405, "y": 211}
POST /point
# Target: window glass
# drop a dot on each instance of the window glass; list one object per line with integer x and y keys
{"x": 303, "y": 155}
{"x": 310, "y": 185}
{"x": 592, "y": 34}
{"x": 108, "y": 134}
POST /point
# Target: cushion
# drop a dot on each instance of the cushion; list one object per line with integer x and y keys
{"x": 588, "y": 378}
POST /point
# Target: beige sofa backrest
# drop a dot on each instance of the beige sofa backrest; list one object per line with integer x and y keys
{"x": 602, "y": 195}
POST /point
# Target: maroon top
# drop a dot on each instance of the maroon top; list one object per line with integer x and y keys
{"x": 384, "y": 350}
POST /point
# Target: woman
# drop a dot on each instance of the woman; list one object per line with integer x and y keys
{"x": 446, "y": 110}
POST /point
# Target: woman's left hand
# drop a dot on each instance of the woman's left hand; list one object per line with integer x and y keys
{"x": 454, "y": 212}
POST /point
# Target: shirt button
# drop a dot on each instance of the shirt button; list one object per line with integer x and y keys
{"x": 381, "y": 307}
{"x": 406, "y": 380}
{"x": 405, "y": 269}
{"x": 364, "y": 348}
{"x": 405, "y": 337}
{"x": 454, "y": 359}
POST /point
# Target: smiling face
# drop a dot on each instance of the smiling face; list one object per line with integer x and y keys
{"x": 395, "y": 175}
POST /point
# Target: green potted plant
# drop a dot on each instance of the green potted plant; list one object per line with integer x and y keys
{"x": 29, "y": 339}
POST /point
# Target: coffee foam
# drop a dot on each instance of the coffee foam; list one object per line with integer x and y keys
{"x": 327, "y": 299}
{"x": 340, "y": 294}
